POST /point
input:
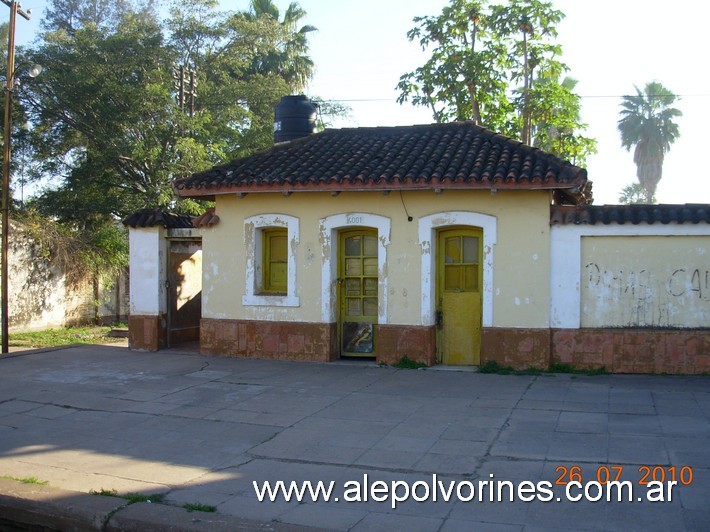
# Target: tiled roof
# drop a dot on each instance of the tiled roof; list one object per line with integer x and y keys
{"x": 629, "y": 214}
{"x": 458, "y": 155}
{"x": 207, "y": 219}
{"x": 155, "y": 217}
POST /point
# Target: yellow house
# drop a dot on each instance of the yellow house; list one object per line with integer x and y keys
{"x": 444, "y": 243}
{"x": 428, "y": 241}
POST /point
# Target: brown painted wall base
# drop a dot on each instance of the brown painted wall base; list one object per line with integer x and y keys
{"x": 267, "y": 339}
{"x": 416, "y": 342}
{"x": 675, "y": 351}
{"x": 672, "y": 351}
{"x": 147, "y": 333}
{"x": 517, "y": 348}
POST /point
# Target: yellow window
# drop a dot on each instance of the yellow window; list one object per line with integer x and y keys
{"x": 275, "y": 261}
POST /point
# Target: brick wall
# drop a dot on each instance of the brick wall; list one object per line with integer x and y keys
{"x": 268, "y": 339}
{"x": 395, "y": 341}
{"x": 517, "y": 348}
{"x": 674, "y": 351}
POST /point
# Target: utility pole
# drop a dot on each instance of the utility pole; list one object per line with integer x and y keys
{"x": 15, "y": 9}
{"x": 186, "y": 86}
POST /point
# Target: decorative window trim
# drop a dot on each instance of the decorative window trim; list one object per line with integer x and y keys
{"x": 253, "y": 238}
{"x": 329, "y": 227}
{"x": 427, "y": 240}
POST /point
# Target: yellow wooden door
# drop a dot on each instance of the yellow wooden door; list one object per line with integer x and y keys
{"x": 459, "y": 281}
{"x": 357, "y": 293}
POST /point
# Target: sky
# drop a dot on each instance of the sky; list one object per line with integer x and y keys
{"x": 361, "y": 49}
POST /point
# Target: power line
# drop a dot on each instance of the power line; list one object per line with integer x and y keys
{"x": 596, "y": 96}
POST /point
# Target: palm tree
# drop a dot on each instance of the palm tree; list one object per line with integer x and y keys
{"x": 647, "y": 123}
{"x": 292, "y": 63}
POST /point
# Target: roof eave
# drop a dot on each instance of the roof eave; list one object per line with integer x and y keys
{"x": 203, "y": 192}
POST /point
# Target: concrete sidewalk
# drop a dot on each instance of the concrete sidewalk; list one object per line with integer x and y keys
{"x": 201, "y": 430}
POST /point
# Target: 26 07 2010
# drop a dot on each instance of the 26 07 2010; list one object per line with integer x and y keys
{"x": 615, "y": 473}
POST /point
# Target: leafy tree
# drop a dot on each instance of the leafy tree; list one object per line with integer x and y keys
{"x": 105, "y": 118}
{"x": 106, "y": 121}
{"x": 72, "y": 15}
{"x": 555, "y": 112}
{"x": 465, "y": 77}
{"x": 498, "y": 65}
{"x": 528, "y": 29}
{"x": 634, "y": 194}
{"x": 647, "y": 124}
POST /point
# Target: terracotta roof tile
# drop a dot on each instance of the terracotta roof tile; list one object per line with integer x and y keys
{"x": 454, "y": 155}
{"x": 156, "y": 217}
{"x": 629, "y": 214}
{"x": 208, "y": 219}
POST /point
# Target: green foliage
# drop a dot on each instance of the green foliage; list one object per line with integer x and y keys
{"x": 647, "y": 124}
{"x": 634, "y": 194}
{"x": 491, "y": 366}
{"x": 105, "y": 121}
{"x": 406, "y": 363}
{"x": 498, "y": 65}
{"x": 26, "y": 480}
{"x": 566, "y": 368}
{"x": 289, "y": 60}
{"x": 59, "y": 337}
{"x": 199, "y": 507}
{"x": 98, "y": 249}
{"x": 130, "y": 497}
{"x": 141, "y": 497}
{"x": 104, "y": 493}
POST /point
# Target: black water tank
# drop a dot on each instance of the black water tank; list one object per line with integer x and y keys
{"x": 294, "y": 117}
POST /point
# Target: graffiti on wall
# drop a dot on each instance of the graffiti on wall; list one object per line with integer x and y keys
{"x": 671, "y": 296}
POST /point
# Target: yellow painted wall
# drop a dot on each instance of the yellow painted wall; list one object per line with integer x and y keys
{"x": 659, "y": 281}
{"x": 521, "y": 255}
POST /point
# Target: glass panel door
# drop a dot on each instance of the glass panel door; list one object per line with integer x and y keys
{"x": 357, "y": 292}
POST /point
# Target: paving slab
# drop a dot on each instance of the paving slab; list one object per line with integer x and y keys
{"x": 198, "y": 429}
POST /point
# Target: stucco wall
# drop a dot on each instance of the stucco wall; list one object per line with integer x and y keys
{"x": 520, "y": 278}
{"x": 147, "y": 254}
{"x": 43, "y": 295}
{"x": 645, "y": 281}
{"x": 630, "y": 276}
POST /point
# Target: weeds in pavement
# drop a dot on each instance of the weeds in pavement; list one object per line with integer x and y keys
{"x": 494, "y": 367}
{"x": 407, "y": 363}
{"x": 27, "y": 480}
{"x": 199, "y": 507}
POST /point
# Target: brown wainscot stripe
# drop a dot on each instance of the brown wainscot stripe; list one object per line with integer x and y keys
{"x": 641, "y": 350}
{"x": 147, "y": 333}
{"x": 393, "y": 342}
{"x": 517, "y": 348}
{"x": 281, "y": 340}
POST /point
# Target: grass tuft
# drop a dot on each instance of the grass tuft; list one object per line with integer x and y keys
{"x": 26, "y": 480}
{"x": 131, "y": 497}
{"x": 59, "y": 337}
{"x": 141, "y": 497}
{"x": 406, "y": 363}
{"x": 199, "y": 507}
{"x": 566, "y": 368}
{"x": 104, "y": 493}
{"x": 494, "y": 367}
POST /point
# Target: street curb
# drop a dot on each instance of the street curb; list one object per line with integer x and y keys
{"x": 37, "y": 507}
